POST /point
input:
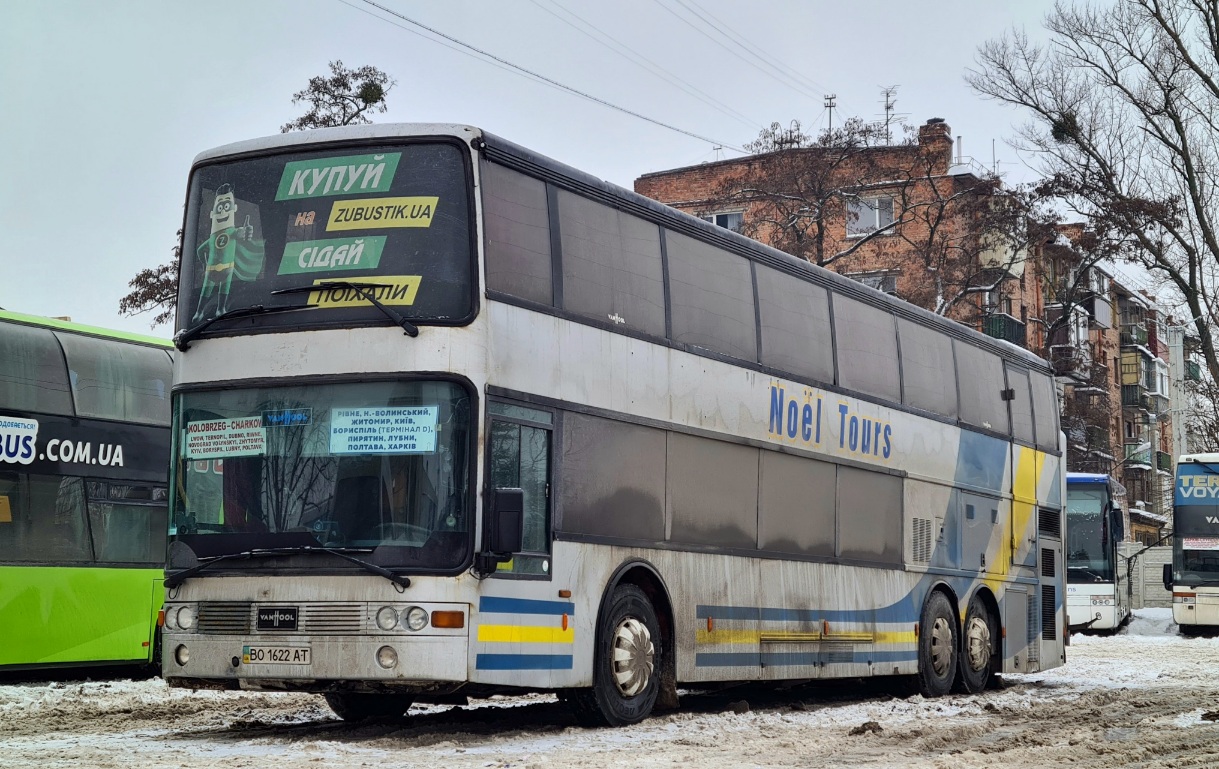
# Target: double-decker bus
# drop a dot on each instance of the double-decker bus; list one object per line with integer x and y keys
{"x": 452, "y": 418}
{"x": 84, "y": 456}
{"x": 1193, "y": 575}
{"x": 1097, "y": 595}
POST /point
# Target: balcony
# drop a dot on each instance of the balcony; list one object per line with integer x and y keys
{"x": 1164, "y": 461}
{"x": 1074, "y": 361}
{"x": 1000, "y": 252}
{"x": 1157, "y": 404}
{"x": 1135, "y": 396}
{"x": 1134, "y": 334}
{"x": 1137, "y": 455}
{"x": 1005, "y": 327}
{"x": 1100, "y": 312}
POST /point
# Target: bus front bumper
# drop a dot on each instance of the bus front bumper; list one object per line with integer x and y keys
{"x": 422, "y": 663}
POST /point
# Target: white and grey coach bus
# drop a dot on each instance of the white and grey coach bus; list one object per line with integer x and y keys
{"x": 451, "y": 418}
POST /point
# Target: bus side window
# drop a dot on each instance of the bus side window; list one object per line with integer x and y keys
{"x": 520, "y": 458}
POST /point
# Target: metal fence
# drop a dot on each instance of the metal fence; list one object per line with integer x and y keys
{"x": 1145, "y": 568}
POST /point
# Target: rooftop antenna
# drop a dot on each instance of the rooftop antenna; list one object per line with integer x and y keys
{"x": 718, "y": 150}
{"x": 829, "y": 105}
{"x": 890, "y": 100}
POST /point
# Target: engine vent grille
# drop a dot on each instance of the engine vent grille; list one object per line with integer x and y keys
{"x": 1049, "y": 522}
{"x": 224, "y": 617}
{"x": 1047, "y": 562}
{"x": 236, "y": 617}
{"x": 921, "y": 540}
{"x": 1049, "y": 628}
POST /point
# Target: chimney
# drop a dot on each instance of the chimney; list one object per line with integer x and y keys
{"x": 935, "y": 139}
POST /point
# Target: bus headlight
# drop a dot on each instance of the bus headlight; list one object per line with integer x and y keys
{"x": 387, "y": 657}
{"x": 415, "y": 618}
{"x": 186, "y": 618}
{"x": 387, "y": 618}
{"x": 182, "y": 655}
{"x": 171, "y": 617}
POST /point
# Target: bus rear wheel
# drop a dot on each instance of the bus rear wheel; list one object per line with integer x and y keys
{"x": 937, "y": 646}
{"x": 626, "y": 663}
{"x": 978, "y": 639}
{"x": 368, "y": 706}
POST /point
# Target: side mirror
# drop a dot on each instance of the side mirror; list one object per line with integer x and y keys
{"x": 1168, "y": 577}
{"x": 503, "y": 525}
{"x": 505, "y": 522}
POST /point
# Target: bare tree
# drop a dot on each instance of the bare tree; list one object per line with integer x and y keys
{"x": 1123, "y": 105}
{"x": 794, "y": 187}
{"x": 154, "y": 288}
{"x": 342, "y": 98}
{"x": 955, "y": 235}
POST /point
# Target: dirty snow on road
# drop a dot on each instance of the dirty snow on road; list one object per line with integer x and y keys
{"x": 1144, "y": 698}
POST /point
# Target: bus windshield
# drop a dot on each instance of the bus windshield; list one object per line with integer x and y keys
{"x": 394, "y": 218}
{"x": 382, "y": 466}
{"x": 1088, "y": 536}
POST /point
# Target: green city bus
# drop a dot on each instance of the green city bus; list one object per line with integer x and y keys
{"x": 84, "y": 447}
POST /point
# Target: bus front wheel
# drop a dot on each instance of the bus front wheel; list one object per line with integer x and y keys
{"x": 368, "y": 706}
{"x": 626, "y": 663}
{"x": 937, "y": 646}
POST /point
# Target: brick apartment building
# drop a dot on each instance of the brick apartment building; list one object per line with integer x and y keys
{"x": 939, "y": 231}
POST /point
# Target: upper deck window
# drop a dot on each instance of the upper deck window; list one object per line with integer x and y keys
{"x": 32, "y": 372}
{"x": 118, "y": 381}
{"x": 394, "y": 217}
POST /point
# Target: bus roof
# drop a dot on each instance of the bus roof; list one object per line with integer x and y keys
{"x": 532, "y": 163}
{"x": 80, "y": 328}
{"x": 1207, "y": 458}
{"x": 1087, "y": 478}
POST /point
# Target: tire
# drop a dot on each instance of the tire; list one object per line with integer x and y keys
{"x": 626, "y": 663}
{"x": 937, "y": 646}
{"x": 363, "y": 706}
{"x": 979, "y": 640}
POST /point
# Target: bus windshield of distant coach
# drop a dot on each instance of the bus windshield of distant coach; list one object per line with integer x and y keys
{"x": 367, "y": 465}
{"x": 1089, "y": 537}
{"x": 393, "y": 217}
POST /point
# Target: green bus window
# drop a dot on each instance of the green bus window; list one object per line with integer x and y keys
{"x": 33, "y": 376}
{"x": 47, "y": 520}
{"x": 110, "y": 381}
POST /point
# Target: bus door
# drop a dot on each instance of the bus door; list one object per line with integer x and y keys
{"x": 519, "y": 457}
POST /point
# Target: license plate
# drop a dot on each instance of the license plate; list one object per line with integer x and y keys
{"x": 275, "y": 655}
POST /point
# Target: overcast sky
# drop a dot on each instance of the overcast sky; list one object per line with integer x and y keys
{"x": 104, "y": 105}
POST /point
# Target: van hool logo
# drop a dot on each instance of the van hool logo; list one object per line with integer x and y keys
{"x": 277, "y": 618}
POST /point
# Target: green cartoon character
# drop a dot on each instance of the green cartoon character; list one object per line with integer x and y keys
{"x": 229, "y": 250}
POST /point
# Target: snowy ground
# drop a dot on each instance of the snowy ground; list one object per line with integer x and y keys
{"x": 1144, "y": 698}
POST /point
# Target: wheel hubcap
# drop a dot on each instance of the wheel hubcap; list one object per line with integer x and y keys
{"x": 633, "y": 656}
{"x": 977, "y": 643}
{"x": 941, "y": 646}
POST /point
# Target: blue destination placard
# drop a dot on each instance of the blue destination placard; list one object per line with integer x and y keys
{"x": 1196, "y": 485}
{"x": 287, "y": 417}
{"x": 384, "y": 430}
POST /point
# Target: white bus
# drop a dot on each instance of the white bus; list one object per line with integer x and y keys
{"x": 451, "y": 419}
{"x": 1097, "y": 586}
{"x": 1193, "y": 575}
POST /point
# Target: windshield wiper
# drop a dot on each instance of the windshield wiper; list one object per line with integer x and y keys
{"x": 362, "y": 290}
{"x": 1096, "y": 575}
{"x": 173, "y": 580}
{"x": 183, "y": 338}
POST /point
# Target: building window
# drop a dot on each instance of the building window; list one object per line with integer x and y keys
{"x": 880, "y": 280}
{"x": 866, "y": 215}
{"x": 729, "y": 220}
